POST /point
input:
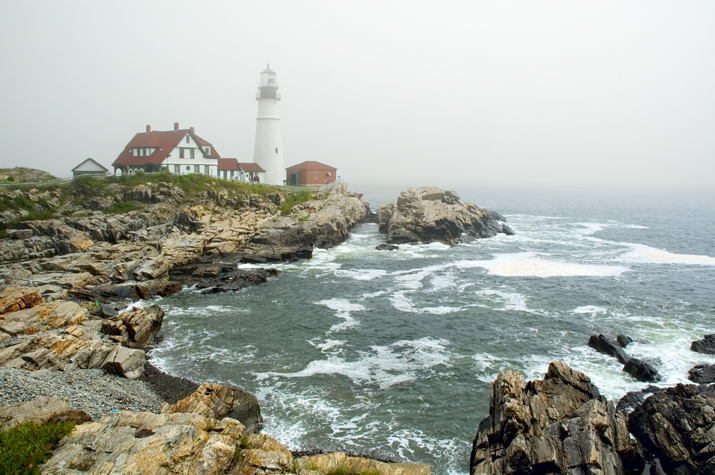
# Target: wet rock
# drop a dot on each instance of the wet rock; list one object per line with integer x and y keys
{"x": 387, "y": 247}
{"x": 706, "y": 345}
{"x": 431, "y": 214}
{"x": 702, "y": 373}
{"x": 641, "y": 370}
{"x": 558, "y": 424}
{"x": 221, "y": 277}
{"x": 633, "y": 398}
{"x": 677, "y": 426}
{"x": 42, "y": 410}
{"x": 624, "y": 340}
{"x": 605, "y": 345}
{"x": 217, "y": 401}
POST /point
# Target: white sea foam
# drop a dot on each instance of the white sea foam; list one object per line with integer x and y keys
{"x": 342, "y": 308}
{"x": 361, "y": 274}
{"x": 589, "y": 309}
{"x": 511, "y": 301}
{"x": 650, "y": 255}
{"x": 383, "y": 365}
{"x": 530, "y": 264}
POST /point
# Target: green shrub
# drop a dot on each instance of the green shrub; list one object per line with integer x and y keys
{"x": 340, "y": 469}
{"x": 293, "y": 199}
{"x": 10, "y": 178}
{"x": 25, "y": 447}
{"x": 121, "y": 206}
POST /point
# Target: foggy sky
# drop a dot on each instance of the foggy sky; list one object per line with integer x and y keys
{"x": 552, "y": 94}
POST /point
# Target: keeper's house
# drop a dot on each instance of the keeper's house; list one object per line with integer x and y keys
{"x": 245, "y": 172}
{"x": 310, "y": 173}
{"x": 178, "y": 151}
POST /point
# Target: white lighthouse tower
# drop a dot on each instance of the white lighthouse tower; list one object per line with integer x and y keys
{"x": 268, "y": 151}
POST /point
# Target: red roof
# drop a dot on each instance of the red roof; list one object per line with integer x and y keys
{"x": 250, "y": 167}
{"x": 163, "y": 141}
{"x": 311, "y": 165}
{"x": 227, "y": 164}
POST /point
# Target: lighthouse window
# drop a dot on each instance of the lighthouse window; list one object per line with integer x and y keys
{"x": 276, "y": 149}
{"x": 192, "y": 153}
{"x": 181, "y": 152}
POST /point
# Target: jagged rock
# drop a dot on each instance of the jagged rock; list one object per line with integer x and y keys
{"x": 677, "y": 426}
{"x": 13, "y": 299}
{"x": 603, "y": 344}
{"x": 146, "y": 443}
{"x": 42, "y": 410}
{"x": 624, "y": 340}
{"x": 633, "y": 398}
{"x": 327, "y": 222}
{"x": 44, "y": 316}
{"x": 706, "y": 345}
{"x": 262, "y": 453}
{"x": 641, "y": 370}
{"x": 558, "y": 424}
{"x": 221, "y": 276}
{"x": 337, "y": 462}
{"x": 217, "y": 401}
{"x": 387, "y": 247}
{"x": 136, "y": 328}
{"x": 702, "y": 373}
{"x": 431, "y": 214}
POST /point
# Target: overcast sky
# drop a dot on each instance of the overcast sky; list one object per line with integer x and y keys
{"x": 538, "y": 94}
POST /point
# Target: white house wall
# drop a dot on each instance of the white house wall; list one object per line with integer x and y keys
{"x": 174, "y": 159}
{"x": 89, "y": 167}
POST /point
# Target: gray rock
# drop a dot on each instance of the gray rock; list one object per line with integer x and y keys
{"x": 431, "y": 214}
{"x": 603, "y": 344}
{"x": 706, "y": 345}
{"x": 702, "y": 373}
{"x": 387, "y": 247}
{"x": 641, "y": 370}
{"x": 41, "y": 410}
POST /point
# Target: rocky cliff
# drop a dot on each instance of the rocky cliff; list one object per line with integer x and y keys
{"x": 431, "y": 214}
{"x": 172, "y": 236}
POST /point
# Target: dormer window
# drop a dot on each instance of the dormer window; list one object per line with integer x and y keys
{"x": 208, "y": 150}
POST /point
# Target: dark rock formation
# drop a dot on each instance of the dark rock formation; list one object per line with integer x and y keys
{"x": 221, "y": 276}
{"x": 605, "y": 345}
{"x": 387, "y": 247}
{"x": 706, "y": 345}
{"x": 702, "y": 373}
{"x": 634, "y": 398}
{"x": 639, "y": 369}
{"x": 677, "y": 427}
{"x": 558, "y": 424}
{"x": 434, "y": 215}
{"x": 624, "y": 340}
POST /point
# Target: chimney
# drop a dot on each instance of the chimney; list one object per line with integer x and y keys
{"x": 148, "y": 129}
{"x": 192, "y": 130}
{"x": 176, "y": 126}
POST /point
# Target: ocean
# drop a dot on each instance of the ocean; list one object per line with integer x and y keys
{"x": 393, "y": 352}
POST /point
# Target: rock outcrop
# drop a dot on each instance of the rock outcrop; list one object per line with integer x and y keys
{"x": 217, "y": 401}
{"x": 42, "y": 410}
{"x": 558, "y": 424}
{"x": 706, "y": 345}
{"x": 322, "y": 222}
{"x": 63, "y": 335}
{"x": 702, "y": 373}
{"x": 431, "y": 214}
{"x": 639, "y": 369}
{"x": 677, "y": 426}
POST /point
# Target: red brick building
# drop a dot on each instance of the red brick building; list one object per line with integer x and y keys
{"x": 310, "y": 173}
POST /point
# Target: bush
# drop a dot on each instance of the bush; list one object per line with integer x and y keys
{"x": 25, "y": 447}
{"x": 121, "y": 206}
{"x": 294, "y": 199}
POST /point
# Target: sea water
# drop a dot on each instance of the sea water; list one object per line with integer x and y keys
{"x": 393, "y": 352}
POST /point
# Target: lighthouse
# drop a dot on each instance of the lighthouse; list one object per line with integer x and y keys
{"x": 268, "y": 151}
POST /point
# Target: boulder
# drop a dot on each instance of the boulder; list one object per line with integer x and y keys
{"x": 706, "y": 345}
{"x": 135, "y": 328}
{"x": 217, "y": 401}
{"x": 13, "y": 299}
{"x": 431, "y": 214}
{"x": 558, "y": 424}
{"x": 641, "y": 370}
{"x": 145, "y": 443}
{"x": 603, "y": 344}
{"x": 42, "y": 410}
{"x": 676, "y": 427}
{"x": 624, "y": 340}
{"x": 702, "y": 373}
{"x": 387, "y": 247}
